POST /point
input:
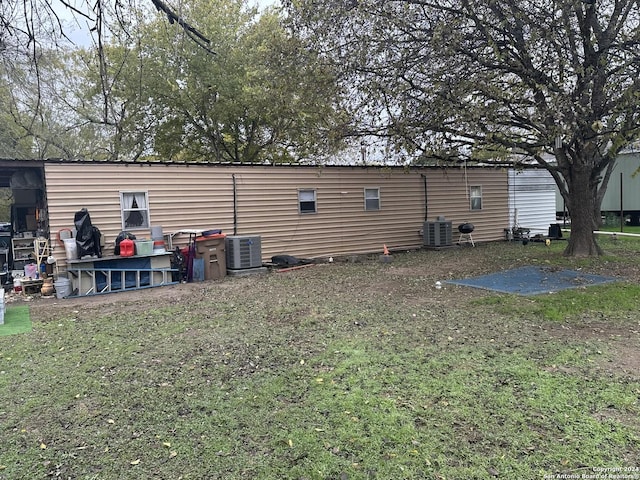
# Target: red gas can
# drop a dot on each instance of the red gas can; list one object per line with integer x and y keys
{"x": 127, "y": 248}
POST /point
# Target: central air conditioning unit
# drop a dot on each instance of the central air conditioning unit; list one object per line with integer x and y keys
{"x": 243, "y": 251}
{"x": 437, "y": 234}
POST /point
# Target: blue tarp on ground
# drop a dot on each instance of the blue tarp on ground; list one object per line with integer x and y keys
{"x": 533, "y": 280}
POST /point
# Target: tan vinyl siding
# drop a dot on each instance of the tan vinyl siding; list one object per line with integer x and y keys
{"x": 179, "y": 196}
{"x": 448, "y": 196}
{"x": 268, "y": 206}
{"x": 192, "y": 196}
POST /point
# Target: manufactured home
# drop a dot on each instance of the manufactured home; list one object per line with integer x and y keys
{"x": 296, "y": 210}
{"x": 623, "y": 190}
{"x": 532, "y": 200}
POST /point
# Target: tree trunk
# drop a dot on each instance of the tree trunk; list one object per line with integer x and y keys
{"x": 582, "y": 202}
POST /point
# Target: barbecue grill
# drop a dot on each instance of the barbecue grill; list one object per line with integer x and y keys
{"x": 465, "y": 230}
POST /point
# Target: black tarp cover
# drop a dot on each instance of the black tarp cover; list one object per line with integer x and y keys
{"x": 87, "y": 236}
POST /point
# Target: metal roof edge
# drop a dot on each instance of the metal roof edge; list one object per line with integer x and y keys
{"x": 275, "y": 165}
{"x": 20, "y": 162}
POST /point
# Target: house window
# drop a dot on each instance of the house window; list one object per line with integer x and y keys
{"x": 371, "y": 199}
{"x": 307, "y": 201}
{"x": 475, "y": 198}
{"x": 135, "y": 210}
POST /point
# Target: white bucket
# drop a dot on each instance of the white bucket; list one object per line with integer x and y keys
{"x": 71, "y": 248}
{"x": 63, "y": 287}
{"x": 17, "y": 285}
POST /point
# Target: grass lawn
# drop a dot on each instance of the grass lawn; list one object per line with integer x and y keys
{"x": 351, "y": 370}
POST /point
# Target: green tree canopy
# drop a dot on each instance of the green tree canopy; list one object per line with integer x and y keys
{"x": 259, "y": 98}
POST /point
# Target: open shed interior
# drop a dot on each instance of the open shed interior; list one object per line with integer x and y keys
{"x": 23, "y": 219}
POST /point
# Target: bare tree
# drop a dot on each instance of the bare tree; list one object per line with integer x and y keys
{"x": 31, "y": 26}
{"x": 556, "y": 82}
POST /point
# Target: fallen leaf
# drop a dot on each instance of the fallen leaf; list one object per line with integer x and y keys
{"x": 173, "y": 454}
{"x": 166, "y": 444}
{"x": 135, "y": 462}
{"x": 43, "y": 446}
{"x": 290, "y": 443}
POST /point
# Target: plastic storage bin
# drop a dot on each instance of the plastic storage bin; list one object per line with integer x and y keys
{"x": 144, "y": 247}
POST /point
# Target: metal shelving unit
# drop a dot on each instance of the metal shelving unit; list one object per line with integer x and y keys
{"x": 22, "y": 252}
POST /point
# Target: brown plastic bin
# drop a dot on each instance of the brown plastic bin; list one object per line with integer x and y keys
{"x": 212, "y": 250}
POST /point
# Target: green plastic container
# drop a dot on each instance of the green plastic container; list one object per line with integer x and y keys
{"x": 144, "y": 247}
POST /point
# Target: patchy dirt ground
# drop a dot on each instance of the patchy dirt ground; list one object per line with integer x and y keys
{"x": 442, "y": 267}
{"x": 101, "y": 379}
{"x": 48, "y": 308}
{"x": 410, "y": 276}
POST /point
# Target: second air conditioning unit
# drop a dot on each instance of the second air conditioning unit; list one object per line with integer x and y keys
{"x": 437, "y": 234}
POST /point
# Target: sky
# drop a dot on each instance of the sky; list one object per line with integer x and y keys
{"x": 78, "y": 30}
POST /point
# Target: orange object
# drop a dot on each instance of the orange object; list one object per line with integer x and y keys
{"x": 385, "y": 250}
{"x": 127, "y": 248}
